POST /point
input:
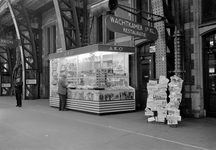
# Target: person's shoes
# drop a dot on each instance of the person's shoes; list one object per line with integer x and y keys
{"x": 20, "y": 105}
{"x": 60, "y": 110}
{"x": 17, "y": 105}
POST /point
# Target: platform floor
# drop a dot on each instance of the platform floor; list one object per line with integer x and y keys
{"x": 37, "y": 126}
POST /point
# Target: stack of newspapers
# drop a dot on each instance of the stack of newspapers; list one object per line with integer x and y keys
{"x": 175, "y": 96}
{"x": 157, "y": 100}
{"x": 158, "y": 107}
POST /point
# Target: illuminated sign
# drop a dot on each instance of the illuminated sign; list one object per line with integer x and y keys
{"x": 124, "y": 26}
{"x": 4, "y": 42}
{"x": 114, "y": 48}
{"x": 68, "y": 53}
{"x": 93, "y": 48}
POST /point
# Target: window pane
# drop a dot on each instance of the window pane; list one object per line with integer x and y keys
{"x": 143, "y": 5}
{"x": 214, "y": 39}
{"x": 209, "y": 11}
{"x": 210, "y": 41}
{"x": 54, "y": 39}
{"x": 100, "y": 29}
{"x": 110, "y": 34}
{"x": 48, "y": 40}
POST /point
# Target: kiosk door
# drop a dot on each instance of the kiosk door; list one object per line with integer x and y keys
{"x": 145, "y": 79}
{"x": 147, "y": 73}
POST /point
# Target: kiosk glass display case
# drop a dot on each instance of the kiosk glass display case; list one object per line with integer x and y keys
{"x": 98, "y": 79}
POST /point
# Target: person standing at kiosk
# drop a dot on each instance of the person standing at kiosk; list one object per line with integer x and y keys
{"x": 62, "y": 91}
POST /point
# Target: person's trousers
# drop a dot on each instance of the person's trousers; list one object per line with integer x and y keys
{"x": 62, "y": 102}
{"x": 19, "y": 99}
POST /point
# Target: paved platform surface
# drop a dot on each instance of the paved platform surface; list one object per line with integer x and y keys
{"x": 37, "y": 126}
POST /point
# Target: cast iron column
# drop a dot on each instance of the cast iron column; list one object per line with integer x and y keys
{"x": 178, "y": 42}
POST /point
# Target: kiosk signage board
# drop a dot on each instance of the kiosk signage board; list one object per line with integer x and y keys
{"x": 115, "y": 48}
{"x": 93, "y": 48}
{"x": 117, "y": 24}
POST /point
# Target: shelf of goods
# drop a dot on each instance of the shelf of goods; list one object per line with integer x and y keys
{"x": 98, "y": 101}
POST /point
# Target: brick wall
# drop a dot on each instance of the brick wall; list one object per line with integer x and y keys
{"x": 193, "y": 78}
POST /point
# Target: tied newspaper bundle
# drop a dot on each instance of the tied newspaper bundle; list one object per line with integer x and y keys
{"x": 173, "y": 112}
{"x": 157, "y": 108}
{"x": 157, "y": 100}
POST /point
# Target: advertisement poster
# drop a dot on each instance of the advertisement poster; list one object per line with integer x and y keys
{"x": 31, "y": 76}
{"x": 6, "y": 81}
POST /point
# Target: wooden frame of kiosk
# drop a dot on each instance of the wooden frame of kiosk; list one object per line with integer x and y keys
{"x": 98, "y": 78}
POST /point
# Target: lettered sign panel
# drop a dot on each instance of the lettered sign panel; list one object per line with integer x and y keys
{"x": 5, "y": 42}
{"x": 128, "y": 27}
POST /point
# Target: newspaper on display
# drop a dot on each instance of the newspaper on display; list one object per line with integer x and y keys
{"x": 175, "y": 96}
{"x": 157, "y": 108}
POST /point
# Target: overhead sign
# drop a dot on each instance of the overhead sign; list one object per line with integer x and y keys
{"x": 116, "y": 48}
{"x": 93, "y": 48}
{"x": 5, "y": 42}
{"x": 124, "y": 26}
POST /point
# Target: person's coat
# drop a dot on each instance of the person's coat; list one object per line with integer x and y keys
{"x": 62, "y": 86}
{"x": 17, "y": 78}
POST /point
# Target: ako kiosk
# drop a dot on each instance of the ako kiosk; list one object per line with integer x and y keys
{"x": 98, "y": 78}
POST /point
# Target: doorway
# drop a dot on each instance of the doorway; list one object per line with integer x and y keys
{"x": 146, "y": 71}
{"x": 210, "y": 75}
